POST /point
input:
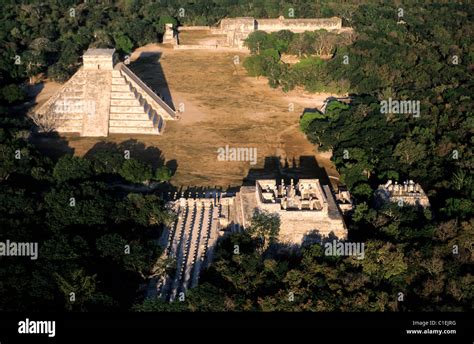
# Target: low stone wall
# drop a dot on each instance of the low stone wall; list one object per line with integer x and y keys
{"x": 194, "y": 28}
{"x": 208, "y": 47}
{"x": 195, "y": 47}
{"x": 298, "y": 25}
{"x": 293, "y": 229}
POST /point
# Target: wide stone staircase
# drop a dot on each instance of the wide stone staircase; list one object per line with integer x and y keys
{"x": 130, "y": 110}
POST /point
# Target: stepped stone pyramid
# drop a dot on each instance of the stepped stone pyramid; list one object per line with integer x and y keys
{"x": 105, "y": 97}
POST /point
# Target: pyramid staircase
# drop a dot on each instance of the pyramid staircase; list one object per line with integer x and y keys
{"x": 134, "y": 107}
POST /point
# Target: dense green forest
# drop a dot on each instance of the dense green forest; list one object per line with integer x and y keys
{"x": 311, "y": 72}
{"x": 50, "y": 36}
{"x": 97, "y": 238}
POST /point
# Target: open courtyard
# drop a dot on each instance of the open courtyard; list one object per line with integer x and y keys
{"x": 221, "y": 106}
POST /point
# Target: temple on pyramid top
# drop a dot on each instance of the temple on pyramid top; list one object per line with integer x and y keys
{"x": 99, "y": 59}
{"x": 103, "y": 97}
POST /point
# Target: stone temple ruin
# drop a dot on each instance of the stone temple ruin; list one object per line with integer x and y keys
{"x": 410, "y": 193}
{"x": 305, "y": 208}
{"x": 236, "y": 30}
{"x": 104, "y": 97}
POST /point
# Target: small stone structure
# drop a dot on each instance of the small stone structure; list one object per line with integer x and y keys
{"x": 344, "y": 200}
{"x": 170, "y": 36}
{"x": 104, "y": 97}
{"x": 99, "y": 59}
{"x": 304, "y": 209}
{"x": 410, "y": 193}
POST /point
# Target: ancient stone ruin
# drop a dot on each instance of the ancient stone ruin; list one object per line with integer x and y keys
{"x": 238, "y": 29}
{"x": 304, "y": 208}
{"x": 235, "y": 30}
{"x": 200, "y": 220}
{"x": 104, "y": 97}
{"x": 170, "y": 35}
{"x": 408, "y": 193}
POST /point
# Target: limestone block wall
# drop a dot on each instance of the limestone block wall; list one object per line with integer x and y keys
{"x": 194, "y": 28}
{"x": 415, "y": 199}
{"x": 98, "y": 63}
{"x": 323, "y": 197}
{"x": 170, "y": 36}
{"x": 238, "y": 29}
{"x": 229, "y": 24}
{"x": 298, "y": 25}
{"x": 294, "y": 227}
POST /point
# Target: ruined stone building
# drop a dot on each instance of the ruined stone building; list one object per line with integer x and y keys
{"x": 104, "y": 97}
{"x": 408, "y": 193}
{"x": 238, "y": 29}
{"x": 232, "y": 32}
{"x": 304, "y": 209}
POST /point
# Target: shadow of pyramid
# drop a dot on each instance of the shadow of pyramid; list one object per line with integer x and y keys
{"x": 149, "y": 70}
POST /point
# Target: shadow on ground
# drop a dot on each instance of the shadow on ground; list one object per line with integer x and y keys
{"x": 150, "y": 61}
{"x": 306, "y": 167}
